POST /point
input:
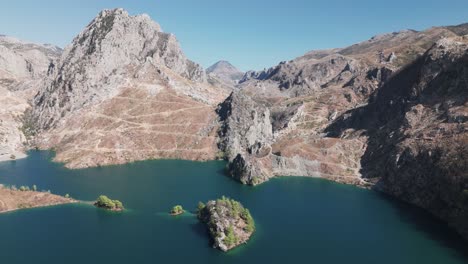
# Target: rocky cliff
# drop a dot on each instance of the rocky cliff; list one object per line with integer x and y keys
{"x": 417, "y": 133}
{"x": 122, "y": 91}
{"x": 388, "y": 113}
{"x": 22, "y": 66}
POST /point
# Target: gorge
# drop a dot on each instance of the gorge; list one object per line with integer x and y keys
{"x": 388, "y": 114}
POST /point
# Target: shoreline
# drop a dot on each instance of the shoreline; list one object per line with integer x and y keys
{"x": 18, "y": 156}
{"x": 39, "y": 206}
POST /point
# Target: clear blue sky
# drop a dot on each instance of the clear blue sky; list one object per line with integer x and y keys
{"x": 251, "y": 34}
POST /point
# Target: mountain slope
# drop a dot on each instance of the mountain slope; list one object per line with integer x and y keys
{"x": 22, "y": 66}
{"x": 389, "y": 113}
{"x": 124, "y": 91}
{"x": 417, "y": 128}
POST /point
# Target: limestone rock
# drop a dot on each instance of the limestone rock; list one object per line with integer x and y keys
{"x": 22, "y": 65}
{"x": 229, "y": 223}
{"x": 123, "y": 91}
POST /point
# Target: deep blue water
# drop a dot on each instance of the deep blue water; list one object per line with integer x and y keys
{"x": 299, "y": 220}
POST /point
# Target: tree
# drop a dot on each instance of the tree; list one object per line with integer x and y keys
{"x": 200, "y": 208}
{"x": 34, "y": 187}
{"x": 104, "y": 202}
{"x": 230, "y": 238}
{"x": 118, "y": 204}
{"x": 67, "y": 196}
{"x": 178, "y": 209}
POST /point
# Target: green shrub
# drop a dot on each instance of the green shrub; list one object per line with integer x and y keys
{"x": 230, "y": 238}
{"x": 178, "y": 209}
{"x": 200, "y": 208}
{"x": 104, "y": 202}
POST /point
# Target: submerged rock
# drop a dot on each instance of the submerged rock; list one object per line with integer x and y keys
{"x": 229, "y": 223}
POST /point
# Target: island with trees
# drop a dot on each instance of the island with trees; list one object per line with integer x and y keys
{"x": 228, "y": 222}
{"x": 177, "y": 210}
{"x": 109, "y": 204}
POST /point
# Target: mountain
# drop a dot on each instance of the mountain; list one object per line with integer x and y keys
{"x": 22, "y": 66}
{"x": 122, "y": 91}
{"x": 226, "y": 72}
{"x": 389, "y": 113}
{"x": 417, "y": 133}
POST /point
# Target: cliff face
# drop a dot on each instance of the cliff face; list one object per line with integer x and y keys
{"x": 388, "y": 113}
{"x": 22, "y": 66}
{"x": 417, "y": 128}
{"x": 106, "y": 56}
{"x": 124, "y": 91}
{"x": 304, "y": 96}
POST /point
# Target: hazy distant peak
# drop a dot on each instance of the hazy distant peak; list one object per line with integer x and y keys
{"x": 226, "y": 72}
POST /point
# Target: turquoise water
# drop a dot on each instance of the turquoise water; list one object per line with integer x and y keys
{"x": 299, "y": 220}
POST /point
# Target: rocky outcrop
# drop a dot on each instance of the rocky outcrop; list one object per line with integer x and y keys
{"x": 417, "y": 129}
{"x": 246, "y": 133}
{"x": 124, "y": 91}
{"x": 22, "y": 66}
{"x": 229, "y": 223}
{"x": 225, "y": 72}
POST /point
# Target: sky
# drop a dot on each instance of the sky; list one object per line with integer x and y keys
{"x": 251, "y": 34}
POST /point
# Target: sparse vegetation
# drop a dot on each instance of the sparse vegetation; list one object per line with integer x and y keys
{"x": 106, "y": 203}
{"x": 200, "y": 208}
{"x": 28, "y": 127}
{"x": 228, "y": 221}
{"x": 230, "y": 239}
{"x": 220, "y": 155}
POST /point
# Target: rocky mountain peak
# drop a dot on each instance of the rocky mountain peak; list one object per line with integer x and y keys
{"x": 226, "y": 72}
{"x": 222, "y": 64}
{"x": 107, "y": 55}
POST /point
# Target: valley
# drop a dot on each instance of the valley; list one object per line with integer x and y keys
{"x": 388, "y": 114}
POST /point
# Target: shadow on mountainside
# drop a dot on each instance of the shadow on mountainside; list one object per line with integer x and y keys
{"x": 417, "y": 139}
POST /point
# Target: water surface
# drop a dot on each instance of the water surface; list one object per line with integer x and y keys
{"x": 299, "y": 220}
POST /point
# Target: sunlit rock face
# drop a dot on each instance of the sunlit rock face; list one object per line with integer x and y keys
{"x": 22, "y": 66}
{"x": 123, "y": 91}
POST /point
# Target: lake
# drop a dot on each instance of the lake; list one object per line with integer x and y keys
{"x": 299, "y": 220}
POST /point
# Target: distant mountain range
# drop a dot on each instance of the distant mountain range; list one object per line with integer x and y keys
{"x": 388, "y": 113}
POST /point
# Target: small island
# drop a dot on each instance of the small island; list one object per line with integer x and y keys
{"x": 229, "y": 223}
{"x": 177, "y": 210}
{"x": 108, "y": 204}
